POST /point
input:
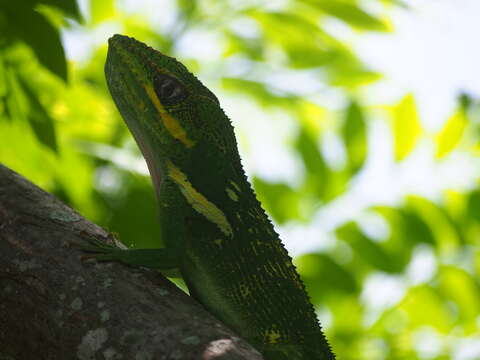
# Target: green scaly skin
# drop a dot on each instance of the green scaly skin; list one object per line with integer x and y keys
{"x": 216, "y": 233}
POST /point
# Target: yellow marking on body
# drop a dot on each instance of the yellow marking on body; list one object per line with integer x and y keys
{"x": 234, "y": 184}
{"x": 171, "y": 124}
{"x": 272, "y": 336}
{"x": 231, "y": 194}
{"x": 199, "y": 202}
{"x": 218, "y": 242}
{"x": 244, "y": 290}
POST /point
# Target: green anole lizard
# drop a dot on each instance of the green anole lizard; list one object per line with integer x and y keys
{"x": 216, "y": 233}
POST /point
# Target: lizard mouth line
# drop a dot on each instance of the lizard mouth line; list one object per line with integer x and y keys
{"x": 151, "y": 158}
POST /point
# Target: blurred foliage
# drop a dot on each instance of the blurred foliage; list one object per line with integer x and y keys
{"x": 59, "y": 128}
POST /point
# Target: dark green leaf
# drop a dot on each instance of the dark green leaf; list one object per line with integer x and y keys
{"x": 28, "y": 25}
{"x": 407, "y": 225}
{"x": 323, "y": 276}
{"x": 16, "y": 107}
{"x": 315, "y": 165}
{"x": 367, "y": 249}
{"x": 40, "y": 121}
{"x": 354, "y": 135}
{"x": 3, "y": 78}
{"x": 473, "y": 205}
{"x": 320, "y": 181}
{"x": 465, "y": 101}
{"x": 308, "y": 149}
{"x": 259, "y": 91}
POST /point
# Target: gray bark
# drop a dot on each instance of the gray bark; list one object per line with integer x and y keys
{"x": 53, "y": 305}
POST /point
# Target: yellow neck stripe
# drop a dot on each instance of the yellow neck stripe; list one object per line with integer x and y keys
{"x": 170, "y": 123}
{"x": 199, "y": 202}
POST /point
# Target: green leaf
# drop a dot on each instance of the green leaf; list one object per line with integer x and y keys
{"x": 406, "y": 225}
{"x": 406, "y": 127}
{"x": 323, "y": 276}
{"x": 252, "y": 48}
{"x": 425, "y": 307}
{"x": 16, "y": 105}
{"x": 465, "y": 101}
{"x": 458, "y": 286}
{"x": 102, "y": 10}
{"x": 138, "y": 228}
{"x": 319, "y": 50}
{"x": 446, "y": 234}
{"x": 3, "y": 78}
{"x": 40, "y": 121}
{"x": 40, "y": 35}
{"x": 317, "y": 171}
{"x": 473, "y": 205}
{"x": 451, "y": 134}
{"x": 68, "y": 7}
{"x": 279, "y": 199}
{"x": 354, "y": 135}
{"x": 367, "y": 249}
{"x": 260, "y": 92}
{"x": 309, "y": 151}
{"x": 350, "y": 14}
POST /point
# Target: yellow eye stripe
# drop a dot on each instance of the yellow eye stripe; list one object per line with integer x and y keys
{"x": 199, "y": 202}
{"x": 170, "y": 123}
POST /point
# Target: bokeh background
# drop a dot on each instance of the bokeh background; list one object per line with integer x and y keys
{"x": 358, "y": 124}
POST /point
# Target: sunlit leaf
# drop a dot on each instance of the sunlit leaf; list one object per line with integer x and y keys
{"x": 425, "y": 307}
{"x": 451, "y": 134}
{"x": 320, "y": 50}
{"x": 102, "y": 10}
{"x": 253, "y": 48}
{"x": 349, "y": 315}
{"x": 350, "y": 13}
{"x": 354, "y": 135}
{"x": 458, "y": 286}
{"x": 406, "y": 127}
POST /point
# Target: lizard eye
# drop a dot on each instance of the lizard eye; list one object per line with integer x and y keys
{"x": 169, "y": 90}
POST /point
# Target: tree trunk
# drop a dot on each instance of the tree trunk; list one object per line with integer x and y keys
{"x": 53, "y": 305}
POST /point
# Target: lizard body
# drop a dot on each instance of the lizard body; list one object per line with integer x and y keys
{"x": 215, "y": 230}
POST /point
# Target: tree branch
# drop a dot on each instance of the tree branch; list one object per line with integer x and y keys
{"x": 54, "y": 306}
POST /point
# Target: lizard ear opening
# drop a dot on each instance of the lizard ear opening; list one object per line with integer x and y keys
{"x": 169, "y": 90}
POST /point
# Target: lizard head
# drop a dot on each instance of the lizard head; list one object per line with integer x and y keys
{"x": 172, "y": 115}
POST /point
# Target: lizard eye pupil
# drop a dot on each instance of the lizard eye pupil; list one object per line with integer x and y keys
{"x": 169, "y": 90}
